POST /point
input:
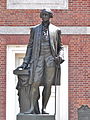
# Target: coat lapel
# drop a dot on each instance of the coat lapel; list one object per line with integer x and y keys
{"x": 52, "y": 36}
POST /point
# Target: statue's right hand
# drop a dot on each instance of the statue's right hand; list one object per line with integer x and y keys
{"x": 23, "y": 66}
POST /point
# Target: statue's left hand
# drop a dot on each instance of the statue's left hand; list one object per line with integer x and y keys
{"x": 58, "y": 60}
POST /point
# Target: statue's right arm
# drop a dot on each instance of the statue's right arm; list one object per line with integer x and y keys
{"x": 28, "y": 54}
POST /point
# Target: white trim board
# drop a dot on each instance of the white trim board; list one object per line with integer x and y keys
{"x": 37, "y": 4}
{"x": 62, "y": 92}
{"x": 26, "y": 30}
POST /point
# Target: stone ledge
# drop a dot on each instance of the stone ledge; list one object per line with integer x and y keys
{"x": 26, "y": 30}
{"x": 35, "y": 117}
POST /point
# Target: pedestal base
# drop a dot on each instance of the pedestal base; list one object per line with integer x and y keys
{"x": 35, "y": 117}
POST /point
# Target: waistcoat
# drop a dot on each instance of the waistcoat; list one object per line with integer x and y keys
{"x": 45, "y": 43}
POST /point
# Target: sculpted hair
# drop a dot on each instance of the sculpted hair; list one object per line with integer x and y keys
{"x": 48, "y": 11}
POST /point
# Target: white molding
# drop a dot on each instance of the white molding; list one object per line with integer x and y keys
{"x": 75, "y": 30}
{"x": 88, "y": 30}
{"x": 10, "y": 80}
{"x": 26, "y": 30}
{"x": 62, "y": 91}
{"x": 37, "y": 4}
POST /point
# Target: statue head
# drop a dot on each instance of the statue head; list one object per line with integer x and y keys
{"x": 46, "y": 11}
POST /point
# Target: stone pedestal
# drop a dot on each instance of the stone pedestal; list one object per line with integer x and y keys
{"x": 35, "y": 117}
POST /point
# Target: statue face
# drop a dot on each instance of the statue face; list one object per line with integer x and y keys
{"x": 45, "y": 16}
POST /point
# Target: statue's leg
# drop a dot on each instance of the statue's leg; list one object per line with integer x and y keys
{"x": 37, "y": 110}
{"x": 34, "y": 96}
{"x": 34, "y": 93}
{"x": 50, "y": 72}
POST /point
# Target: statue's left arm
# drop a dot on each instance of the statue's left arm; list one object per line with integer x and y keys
{"x": 60, "y": 48}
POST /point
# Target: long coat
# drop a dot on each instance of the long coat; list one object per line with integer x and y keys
{"x": 33, "y": 49}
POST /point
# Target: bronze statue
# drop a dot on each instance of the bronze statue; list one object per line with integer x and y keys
{"x": 43, "y": 58}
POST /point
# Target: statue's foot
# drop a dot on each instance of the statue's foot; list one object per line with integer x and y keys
{"x": 30, "y": 112}
{"x": 43, "y": 112}
{"x": 37, "y": 112}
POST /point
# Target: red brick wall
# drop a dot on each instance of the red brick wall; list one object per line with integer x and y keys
{"x": 78, "y": 14}
{"x": 79, "y": 73}
{"x": 2, "y": 78}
